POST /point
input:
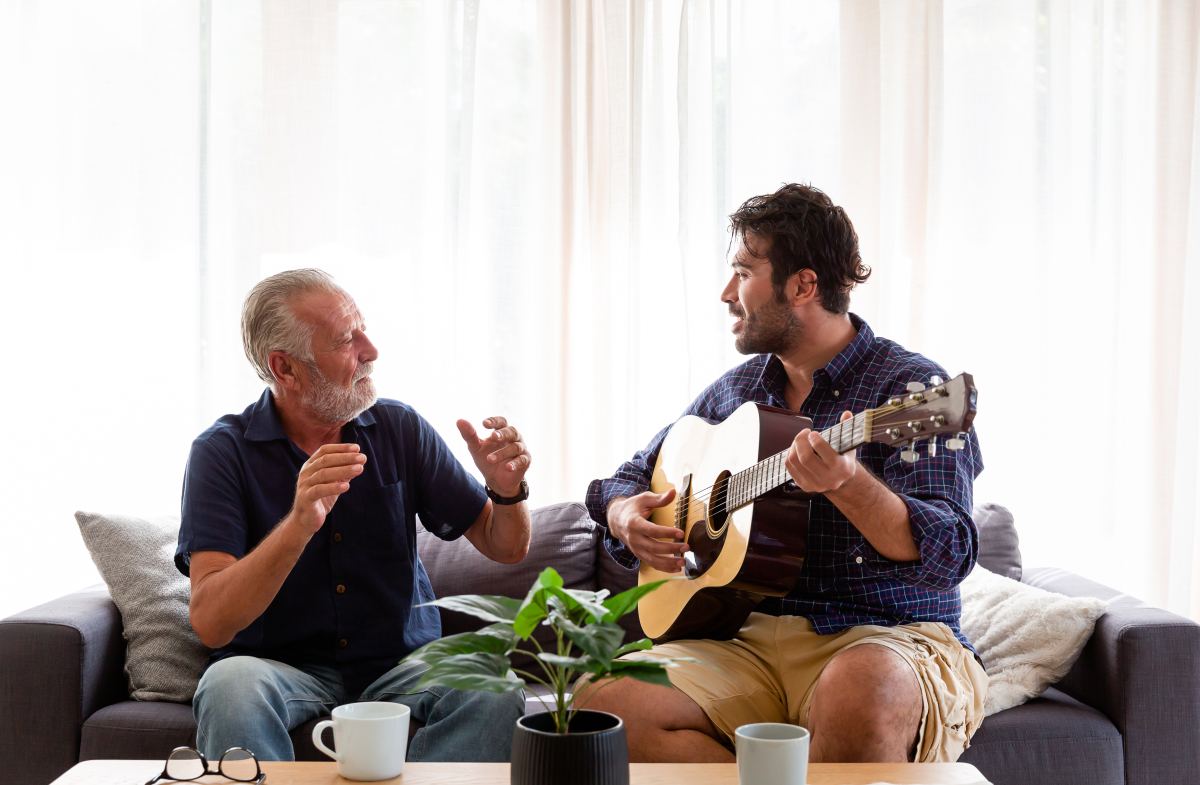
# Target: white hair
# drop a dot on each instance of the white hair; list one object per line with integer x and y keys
{"x": 270, "y": 324}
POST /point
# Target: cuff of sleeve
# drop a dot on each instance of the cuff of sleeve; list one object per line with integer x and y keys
{"x": 619, "y": 553}
{"x": 924, "y": 524}
{"x": 601, "y": 492}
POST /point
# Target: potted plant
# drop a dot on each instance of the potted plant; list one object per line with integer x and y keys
{"x": 566, "y": 743}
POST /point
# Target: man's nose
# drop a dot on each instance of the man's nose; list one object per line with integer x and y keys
{"x": 367, "y": 352}
{"x": 729, "y": 293}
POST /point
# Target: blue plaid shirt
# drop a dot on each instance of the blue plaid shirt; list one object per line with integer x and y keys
{"x": 845, "y": 582}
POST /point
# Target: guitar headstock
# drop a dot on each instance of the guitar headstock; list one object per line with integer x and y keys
{"x": 943, "y": 409}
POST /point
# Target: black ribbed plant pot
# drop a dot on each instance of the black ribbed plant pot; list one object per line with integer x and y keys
{"x": 593, "y": 753}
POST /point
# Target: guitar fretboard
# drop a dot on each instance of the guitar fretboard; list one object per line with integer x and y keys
{"x": 767, "y": 475}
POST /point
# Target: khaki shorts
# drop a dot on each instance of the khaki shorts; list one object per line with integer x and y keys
{"x": 769, "y": 672}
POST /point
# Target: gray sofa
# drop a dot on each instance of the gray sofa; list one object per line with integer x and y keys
{"x": 1128, "y": 712}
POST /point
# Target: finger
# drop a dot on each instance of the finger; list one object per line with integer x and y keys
{"x": 845, "y": 416}
{"x": 520, "y": 463}
{"x": 495, "y": 422}
{"x": 821, "y": 447}
{"x": 317, "y": 492}
{"x": 507, "y": 434}
{"x": 799, "y": 474}
{"x": 647, "y": 545}
{"x": 504, "y": 453}
{"x": 644, "y": 528}
{"x": 334, "y": 474}
{"x": 326, "y": 449}
{"x": 470, "y": 436}
{"x": 334, "y": 459}
{"x": 652, "y": 501}
{"x": 804, "y": 478}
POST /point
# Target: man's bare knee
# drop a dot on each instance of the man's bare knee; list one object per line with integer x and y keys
{"x": 662, "y": 724}
{"x": 867, "y": 707}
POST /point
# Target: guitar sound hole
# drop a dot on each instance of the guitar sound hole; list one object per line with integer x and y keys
{"x": 707, "y": 537}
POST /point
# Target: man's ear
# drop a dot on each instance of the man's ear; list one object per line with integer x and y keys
{"x": 287, "y": 371}
{"x": 801, "y": 288}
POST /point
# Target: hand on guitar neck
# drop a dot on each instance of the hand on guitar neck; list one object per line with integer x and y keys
{"x": 628, "y": 520}
{"x": 815, "y": 466}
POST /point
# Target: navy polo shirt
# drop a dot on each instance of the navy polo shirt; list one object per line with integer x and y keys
{"x": 349, "y": 600}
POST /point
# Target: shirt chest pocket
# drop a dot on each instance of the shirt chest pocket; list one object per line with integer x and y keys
{"x": 374, "y": 521}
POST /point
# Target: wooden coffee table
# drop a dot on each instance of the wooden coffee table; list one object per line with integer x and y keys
{"x": 138, "y": 772}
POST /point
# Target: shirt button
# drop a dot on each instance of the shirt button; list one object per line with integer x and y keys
{"x": 337, "y": 537}
{"x": 342, "y": 643}
{"x": 342, "y": 589}
{"x": 856, "y": 561}
{"x": 836, "y": 393}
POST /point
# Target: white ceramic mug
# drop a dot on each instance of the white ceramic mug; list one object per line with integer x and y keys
{"x": 771, "y": 753}
{"x": 370, "y": 738}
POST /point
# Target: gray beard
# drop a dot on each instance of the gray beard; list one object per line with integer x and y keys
{"x": 333, "y": 403}
{"x": 769, "y": 331}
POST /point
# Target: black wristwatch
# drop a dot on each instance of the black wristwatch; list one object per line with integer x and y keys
{"x": 520, "y": 497}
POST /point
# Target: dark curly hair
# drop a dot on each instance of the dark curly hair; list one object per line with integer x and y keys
{"x": 804, "y": 229}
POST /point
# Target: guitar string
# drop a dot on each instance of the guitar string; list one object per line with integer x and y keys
{"x": 693, "y": 498}
{"x": 828, "y": 432}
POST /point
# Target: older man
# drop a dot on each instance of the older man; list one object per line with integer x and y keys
{"x": 299, "y": 535}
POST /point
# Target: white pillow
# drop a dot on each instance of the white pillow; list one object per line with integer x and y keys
{"x": 1028, "y": 637}
{"x": 164, "y": 658}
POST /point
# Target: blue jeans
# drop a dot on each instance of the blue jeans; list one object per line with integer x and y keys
{"x": 253, "y": 703}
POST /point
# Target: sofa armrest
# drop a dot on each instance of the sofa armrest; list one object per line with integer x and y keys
{"x": 63, "y": 661}
{"x": 1141, "y": 667}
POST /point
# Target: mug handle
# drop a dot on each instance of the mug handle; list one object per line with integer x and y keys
{"x": 317, "y": 731}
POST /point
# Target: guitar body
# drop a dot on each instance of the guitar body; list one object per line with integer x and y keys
{"x": 736, "y": 558}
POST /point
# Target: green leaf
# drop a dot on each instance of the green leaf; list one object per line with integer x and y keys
{"x": 626, "y": 601}
{"x": 481, "y": 606}
{"x": 535, "y": 605}
{"x": 475, "y": 671}
{"x": 586, "y": 664}
{"x": 600, "y": 640}
{"x": 550, "y": 579}
{"x": 493, "y": 639}
{"x": 584, "y": 599}
{"x": 641, "y": 645}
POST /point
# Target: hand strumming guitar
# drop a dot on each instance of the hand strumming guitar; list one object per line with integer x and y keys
{"x": 628, "y": 520}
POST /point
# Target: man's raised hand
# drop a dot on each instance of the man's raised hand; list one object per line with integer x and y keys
{"x": 501, "y": 457}
{"x": 629, "y": 522}
{"x": 324, "y": 477}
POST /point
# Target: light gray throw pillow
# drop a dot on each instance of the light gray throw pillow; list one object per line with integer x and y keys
{"x": 163, "y": 658}
{"x": 999, "y": 547}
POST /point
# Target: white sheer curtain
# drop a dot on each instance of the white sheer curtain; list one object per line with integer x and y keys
{"x": 528, "y": 199}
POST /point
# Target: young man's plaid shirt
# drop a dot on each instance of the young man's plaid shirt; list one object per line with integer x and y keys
{"x": 845, "y": 582}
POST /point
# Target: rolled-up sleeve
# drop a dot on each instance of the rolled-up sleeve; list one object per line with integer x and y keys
{"x": 938, "y": 494}
{"x": 630, "y": 479}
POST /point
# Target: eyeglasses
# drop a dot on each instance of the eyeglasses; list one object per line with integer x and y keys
{"x": 237, "y": 764}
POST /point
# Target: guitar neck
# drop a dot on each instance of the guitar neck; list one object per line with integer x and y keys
{"x": 770, "y": 473}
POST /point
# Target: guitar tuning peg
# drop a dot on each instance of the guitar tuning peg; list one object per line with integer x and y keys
{"x": 935, "y": 381}
{"x": 914, "y": 387}
{"x": 910, "y": 455}
{"x": 957, "y": 443}
{"x": 933, "y": 445}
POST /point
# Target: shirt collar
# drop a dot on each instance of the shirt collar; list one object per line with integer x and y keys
{"x": 774, "y": 378}
{"x": 855, "y": 352}
{"x": 265, "y": 426}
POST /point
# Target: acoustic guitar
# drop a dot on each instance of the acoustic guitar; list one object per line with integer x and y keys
{"x": 745, "y": 521}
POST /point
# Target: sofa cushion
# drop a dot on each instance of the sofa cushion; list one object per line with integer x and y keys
{"x": 164, "y": 657}
{"x": 999, "y": 547}
{"x": 137, "y": 730}
{"x": 1051, "y": 739}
